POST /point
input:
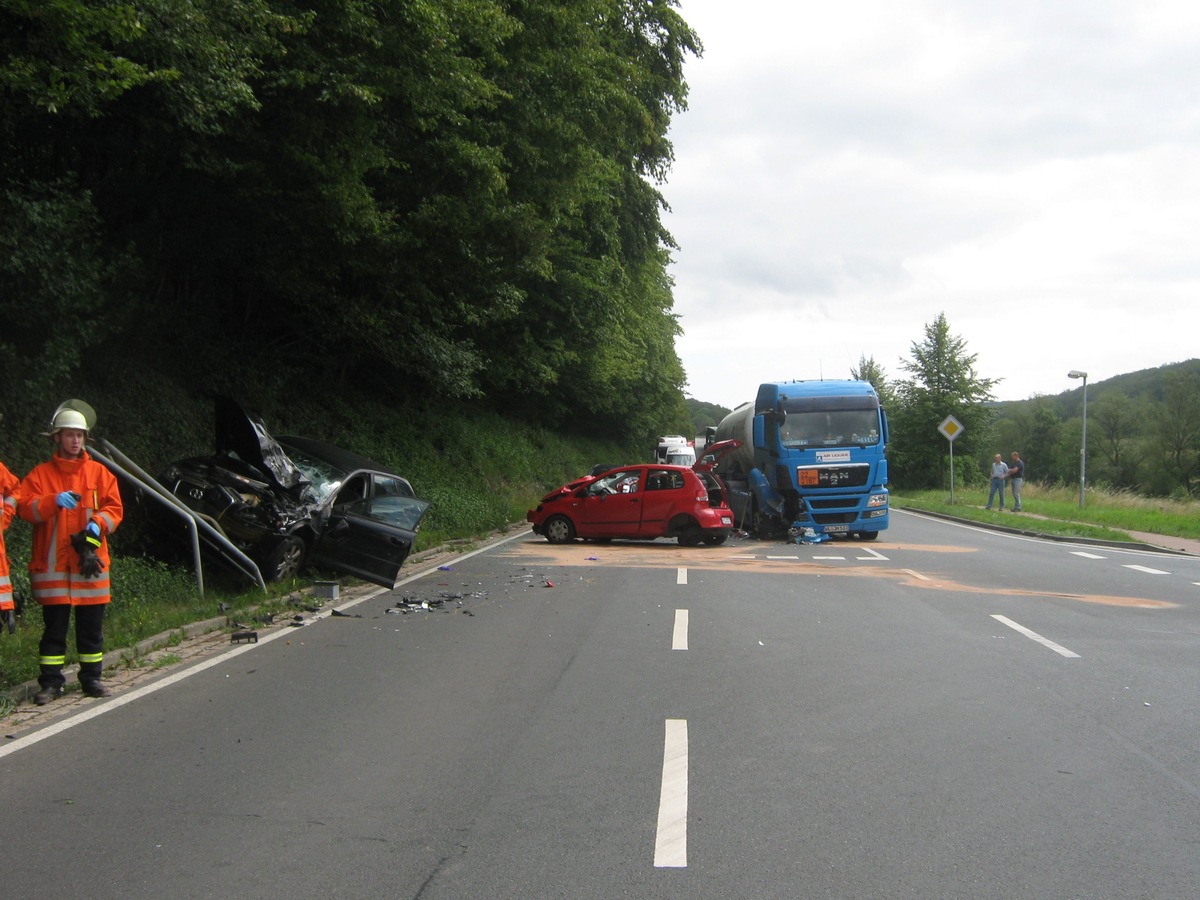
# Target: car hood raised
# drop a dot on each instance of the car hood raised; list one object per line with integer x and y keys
{"x": 244, "y": 435}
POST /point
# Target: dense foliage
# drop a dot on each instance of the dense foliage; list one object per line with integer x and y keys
{"x": 450, "y": 199}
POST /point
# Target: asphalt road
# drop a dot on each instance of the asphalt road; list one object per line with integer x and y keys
{"x": 946, "y": 712}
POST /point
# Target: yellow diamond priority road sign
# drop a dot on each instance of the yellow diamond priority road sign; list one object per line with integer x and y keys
{"x": 951, "y": 428}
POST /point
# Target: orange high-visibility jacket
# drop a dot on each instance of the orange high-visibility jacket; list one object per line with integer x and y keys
{"x": 53, "y": 563}
{"x": 10, "y": 491}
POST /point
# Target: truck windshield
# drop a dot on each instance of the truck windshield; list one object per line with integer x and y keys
{"x": 840, "y": 428}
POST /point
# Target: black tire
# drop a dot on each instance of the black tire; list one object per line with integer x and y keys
{"x": 760, "y": 525}
{"x": 559, "y": 530}
{"x": 715, "y": 540}
{"x": 284, "y": 560}
{"x": 691, "y": 536}
{"x": 868, "y": 535}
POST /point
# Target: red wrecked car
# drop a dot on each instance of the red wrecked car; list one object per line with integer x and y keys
{"x": 641, "y": 502}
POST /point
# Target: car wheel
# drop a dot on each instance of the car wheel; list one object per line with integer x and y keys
{"x": 284, "y": 559}
{"x": 715, "y": 540}
{"x": 559, "y": 530}
{"x": 691, "y": 536}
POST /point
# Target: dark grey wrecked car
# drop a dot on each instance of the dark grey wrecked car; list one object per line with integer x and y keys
{"x": 290, "y": 500}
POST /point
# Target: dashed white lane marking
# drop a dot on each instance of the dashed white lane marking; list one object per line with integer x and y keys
{"x": 679, "y": 637}
{"x": 1148, "y": 570}
{"x": 670, "y": 844}
{"x": 1087, "y": 555}
{"x": 681, "y": 575}
{"x": 828, "y": 557}
{"x": 783, "y": 557}
{"x": 1034, "y": 636}
{"x": 916, "y": 575}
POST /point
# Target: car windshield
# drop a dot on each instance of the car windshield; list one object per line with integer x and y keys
{"x": 325, "y": 478}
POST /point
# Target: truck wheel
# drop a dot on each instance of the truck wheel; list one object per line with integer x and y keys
{"x": 559, "y": 530}
{"x": 868, "y": 535}
{"x": 760, "y": 525}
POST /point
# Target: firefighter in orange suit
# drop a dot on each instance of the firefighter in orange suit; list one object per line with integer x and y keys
{"x": 74, "y": 504}
{"x": 9, "y": 494}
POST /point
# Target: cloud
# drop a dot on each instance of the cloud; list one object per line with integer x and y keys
{"x": 846, "y": 172}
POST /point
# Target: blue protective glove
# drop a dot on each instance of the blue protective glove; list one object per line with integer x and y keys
{"x": 93, "y": 534}
{"x": 67, "y": 499}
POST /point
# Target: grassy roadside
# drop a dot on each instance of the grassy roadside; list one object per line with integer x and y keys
{"x": 1106, "y": 515}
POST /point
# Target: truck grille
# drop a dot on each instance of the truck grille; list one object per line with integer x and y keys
{"x": 837, "y": 476}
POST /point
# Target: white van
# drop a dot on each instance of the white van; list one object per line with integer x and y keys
{"x": 681, "y": 456}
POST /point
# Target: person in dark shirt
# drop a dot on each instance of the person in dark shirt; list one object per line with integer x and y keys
{"x": 1016, "y": 478}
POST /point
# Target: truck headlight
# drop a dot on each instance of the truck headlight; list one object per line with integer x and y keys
{"x": 877, "y": 500}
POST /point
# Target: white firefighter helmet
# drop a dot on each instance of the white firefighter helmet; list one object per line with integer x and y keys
{"x": 72, "y": 414}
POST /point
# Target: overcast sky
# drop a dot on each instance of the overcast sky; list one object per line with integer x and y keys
{"x": 847, "y": 171}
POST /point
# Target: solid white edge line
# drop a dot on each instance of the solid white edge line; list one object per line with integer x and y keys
{"x": 1034, "y": 636}
{"x": 670, "y": 844}
{"x": 679, "y": 637}
{"x": 120, "y": 700}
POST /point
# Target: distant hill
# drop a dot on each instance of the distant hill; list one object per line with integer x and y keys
{"x": 704, "y": 414}
{"x": 1146, "y": 384}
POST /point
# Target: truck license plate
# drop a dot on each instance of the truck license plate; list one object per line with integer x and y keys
{"x": 836, "y": 529}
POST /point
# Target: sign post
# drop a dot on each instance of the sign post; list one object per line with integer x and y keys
{"x": 950, "y": 429}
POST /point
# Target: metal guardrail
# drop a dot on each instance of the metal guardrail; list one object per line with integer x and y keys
{"x": 105, "y": 452}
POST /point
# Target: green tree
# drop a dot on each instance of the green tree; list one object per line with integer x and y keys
{"x": 1113, "y": 429}
{"x": 943, "y": 382}
{"x": 870, "y": 371}
{"x": 1175, "y": 429}
{"x": 1038, "y": 446}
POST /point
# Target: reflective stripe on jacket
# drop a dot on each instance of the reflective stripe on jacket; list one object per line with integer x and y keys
{"x": 10, "y": 491}
{"x": 53, "y": 562}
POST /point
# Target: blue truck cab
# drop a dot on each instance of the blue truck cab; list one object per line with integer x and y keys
{"x": 812, "y": 462}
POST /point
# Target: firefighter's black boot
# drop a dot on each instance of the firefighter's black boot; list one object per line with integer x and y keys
{"x": 89, "y": 680}
{"x": 51, "y": 681}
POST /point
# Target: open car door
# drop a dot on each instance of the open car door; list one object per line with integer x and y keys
{"x": 370, "y": 531}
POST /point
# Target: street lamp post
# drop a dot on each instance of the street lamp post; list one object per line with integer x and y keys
{"x": 1075, "y": 373}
